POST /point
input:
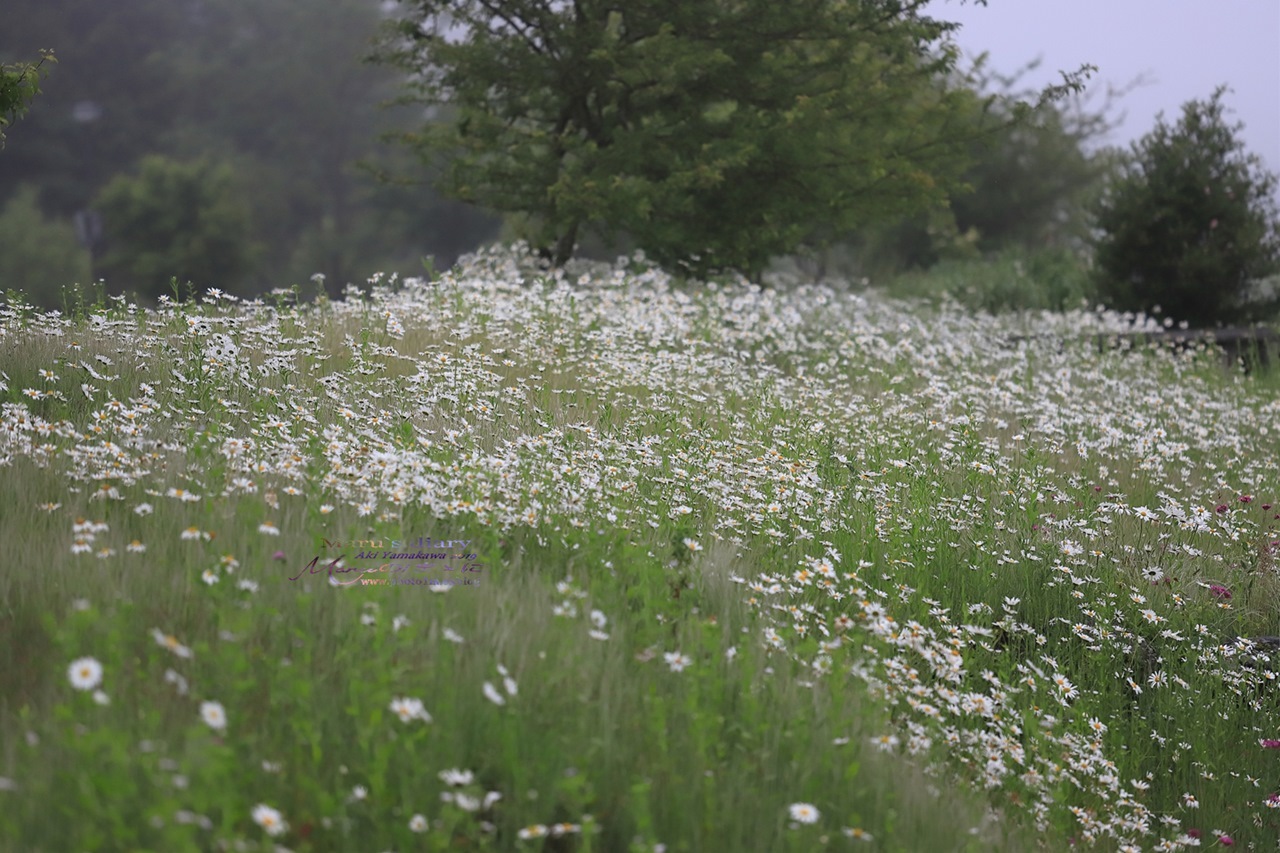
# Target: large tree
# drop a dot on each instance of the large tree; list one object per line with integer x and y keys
{"x": 714, "y": 133}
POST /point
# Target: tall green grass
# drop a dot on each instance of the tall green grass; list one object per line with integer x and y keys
{"x": 745, "y": 557}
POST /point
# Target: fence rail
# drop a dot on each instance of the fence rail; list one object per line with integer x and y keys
{"x": 1252, "y": 347}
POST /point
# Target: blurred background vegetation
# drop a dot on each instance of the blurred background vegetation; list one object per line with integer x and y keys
{"x": 239, "y": 144}
{"x": 229, "y": 142}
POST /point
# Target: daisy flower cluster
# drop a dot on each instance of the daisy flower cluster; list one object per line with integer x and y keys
{"x": 1053, "y": 562}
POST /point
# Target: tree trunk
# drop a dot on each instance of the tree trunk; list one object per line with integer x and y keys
{"x": 564, "y": 246}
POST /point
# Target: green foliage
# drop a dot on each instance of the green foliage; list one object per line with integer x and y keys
{"x": 1190, "y": 224}
{"x": 183, "y": 220}
{"x": 982, "y": 529}
{"x": 38, "y": 255}
{"x": 714, "y": 135}
{"x": 1015, "y": 279}
{"x": 275, "y": 88}
{"x": 1027, "y": 187}
{"x": 288, "y": 79}
{"x": 19, "y": 84}
{"x": 1032, "y": 176}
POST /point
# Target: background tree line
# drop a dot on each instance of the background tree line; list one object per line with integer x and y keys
{"x": 227, "y": 142}
{"x": 234, "y": 143}
{"x": 257, "y": 113}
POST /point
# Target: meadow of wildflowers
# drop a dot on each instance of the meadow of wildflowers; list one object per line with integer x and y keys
{"x": 749, "y": 570}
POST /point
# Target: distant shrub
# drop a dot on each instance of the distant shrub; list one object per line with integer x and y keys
{"x": 39, "y": 256}
{"x": 1189, "y": 224}
{"x": 1013, "y": 280}
{"x": 174, "y": 220}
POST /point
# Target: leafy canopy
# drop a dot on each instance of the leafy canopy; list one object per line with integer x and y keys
{"x": 715, "y": 134}
{"x": 19, "y": 84}
{"x": 1190, "y": 223}
{"x": 1027, "y": 188}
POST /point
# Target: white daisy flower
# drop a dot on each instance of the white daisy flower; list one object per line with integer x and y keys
{"x": 170, "y": 642}
{"x": 491, "y": 693}
{"x": 410, "y": 709}
{"x": 677, "y": 661}
{"x": 804, "y": 813}
{"x": 172, "y": 677}
{"x": 269, "y": 819}
{"x": 85, "y": 673}
{"x": 886, "y": 743}
{"x": 214, "y": 715}
{"x": 456, "y": 777}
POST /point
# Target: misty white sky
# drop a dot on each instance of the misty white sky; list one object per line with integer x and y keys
{"x": 1184, "y": 49}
